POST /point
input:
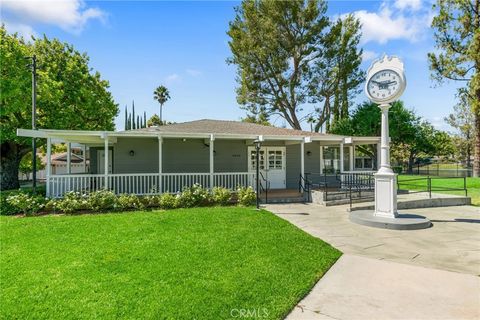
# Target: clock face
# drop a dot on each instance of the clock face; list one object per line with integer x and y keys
{"x": 384, "y": 84}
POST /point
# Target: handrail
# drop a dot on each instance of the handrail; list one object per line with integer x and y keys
{"x": 305, "y": 186}
{"x": 429, "y": 187}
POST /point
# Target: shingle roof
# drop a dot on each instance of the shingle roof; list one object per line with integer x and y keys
{"x": 227, "y": 127}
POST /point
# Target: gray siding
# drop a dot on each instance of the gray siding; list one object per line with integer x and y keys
{"x": 230, "y": 156}
{"x": 93, "y": 158}
{"x": 144, "y": 160}
{"x": 191, "y": 155}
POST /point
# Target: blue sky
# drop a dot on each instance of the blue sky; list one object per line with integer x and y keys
{"x": 183, "y": 45}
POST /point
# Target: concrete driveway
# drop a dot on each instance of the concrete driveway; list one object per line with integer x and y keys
{"x": 390, "y": 274}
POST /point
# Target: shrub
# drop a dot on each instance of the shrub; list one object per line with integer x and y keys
{"x": 168, "y": 201}
{"x": 130, "y": 201}
{"x": 246, "y": 196}
{"x": 6, "y": 208}
{"x": 102, "y": 200}
{"x": 221, "y": 196}
{"x": 152, "y": 201}
{"x": 26, "y": 203}
{"x": 72, "y": 202}
{"x": 194, "y": 196}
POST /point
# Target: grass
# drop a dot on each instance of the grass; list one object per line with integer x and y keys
{"x": 410, "y": 182}
{"x": 197, "y": 263}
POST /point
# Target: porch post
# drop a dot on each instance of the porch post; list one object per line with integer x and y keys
{"x": 106, "y": 162}
{"x": 84, "y": 154}
{"x": 322, "y": 167}
{"x": 49, "y": 164}
{"x": 302, "y": 159}
{"x": 351, "y": 155}
{"x": 69, "y": 158}
{"x": 341, "y": 157}
{"x": 212, "y": 138}
{"x": 160, "y": 166}
{"x": 379, "y": 155}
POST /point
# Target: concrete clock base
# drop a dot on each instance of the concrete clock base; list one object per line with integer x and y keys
{"x": 403, "y": 221}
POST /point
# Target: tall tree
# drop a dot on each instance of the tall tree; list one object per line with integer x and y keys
{"x": 410, "y": 136}
{"x": 274, "y": 44}
{"x": 457, "y": 37}
{"x": 337, "y": 72}
{"x": 70, "y": 96}
{"x": 258, "y": 115}
{"x": 463, "y": 120}
{"x": 154, "y": 121}
{"x": 162, "y": 95}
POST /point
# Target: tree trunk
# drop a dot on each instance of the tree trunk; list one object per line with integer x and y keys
{"x": 476, "y": 159}
{"x": 10, "y": 160}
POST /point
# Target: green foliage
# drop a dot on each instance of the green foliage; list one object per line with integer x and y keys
{"x": 26, "y": 166}
{"x": 457, "y": 57}
{"x": 154, "y": 121}
{"x": 70, "y": 96}
{"x": 23, "y": 202}
{"x": 161, "y": 95}
{"x": 71, "y": 202}
{"x": 130, "y": 201}
{"x": 102, "y": 200}
{"x": 168, "y": 201}
{"x": 258, "y": 115}
{"x": 286, "y": 50}
{"x": 194, "y": 196}
{"x": 246, "y": 196}
{"x": 221, "y": 196}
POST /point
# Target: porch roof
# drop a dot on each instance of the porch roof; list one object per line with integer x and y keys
{"x": 206, "y": 129}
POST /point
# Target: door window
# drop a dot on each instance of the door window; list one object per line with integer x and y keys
{"x": 275, "y": 159}
{"x": 253, "y": 159}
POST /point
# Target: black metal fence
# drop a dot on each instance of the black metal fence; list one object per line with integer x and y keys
{"x": 424, "y": 185}
{"x": 439, "y": 169}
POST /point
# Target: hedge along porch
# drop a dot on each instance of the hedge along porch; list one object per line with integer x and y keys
{"x": 209, "y": 152}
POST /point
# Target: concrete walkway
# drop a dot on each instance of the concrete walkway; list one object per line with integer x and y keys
{"x": 389, "y": 274}
{"x": 364, "y": 288}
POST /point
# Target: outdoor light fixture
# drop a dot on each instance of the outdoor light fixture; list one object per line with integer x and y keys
{"x": 309, "y": 153}
{"x": 258, "y": 145}
{"x": 131, "y": 153}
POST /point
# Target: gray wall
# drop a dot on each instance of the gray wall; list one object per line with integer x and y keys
{"x": 192, "y": 155}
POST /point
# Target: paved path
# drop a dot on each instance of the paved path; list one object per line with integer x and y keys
{"x": 453, "y": 243}
{"x": 364, "y": 288}
{"x": 391, "y": 274}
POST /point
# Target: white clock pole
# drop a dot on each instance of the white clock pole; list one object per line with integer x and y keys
{"x": 385, "y": 178}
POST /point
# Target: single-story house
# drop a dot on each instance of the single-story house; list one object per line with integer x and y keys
{"x": 209, "y": 152}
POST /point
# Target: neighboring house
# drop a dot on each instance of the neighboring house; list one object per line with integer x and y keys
{"x": 208, "y": 152}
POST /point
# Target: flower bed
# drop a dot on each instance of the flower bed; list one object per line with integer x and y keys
{"x": 22, "y": 202}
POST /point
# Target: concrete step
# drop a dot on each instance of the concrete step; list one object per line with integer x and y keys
{"x": 424, "y": 203}
{"x": 285, "y": 200}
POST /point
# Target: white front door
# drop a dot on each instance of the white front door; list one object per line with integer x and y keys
{"x": 101, "y": 161}
{"x": 271, "y": 163}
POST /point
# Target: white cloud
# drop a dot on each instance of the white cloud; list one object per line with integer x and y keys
{"x": 408, "y": 4}
{"x": 392, "y": 24}
{"x": 22, "y": 29}
{"x": 193, "y": 72}
{"x": 369, "y": 55}
{"x": 172, "y": 78}
{"x": 70, "y": 15}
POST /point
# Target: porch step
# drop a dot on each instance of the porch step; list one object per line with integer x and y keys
{"x": 282, "y": 196}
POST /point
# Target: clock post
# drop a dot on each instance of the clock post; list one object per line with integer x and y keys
{"x": 385, "y": 84}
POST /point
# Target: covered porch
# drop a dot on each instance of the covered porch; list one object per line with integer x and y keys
{"x": 151, "y": 162}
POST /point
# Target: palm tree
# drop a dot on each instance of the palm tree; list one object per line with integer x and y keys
{"x": 162, "y": 95}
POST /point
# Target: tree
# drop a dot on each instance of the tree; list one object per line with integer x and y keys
{"x": 281, "y": 49}
{"x": 463, "y": 120}
{"x": 258, "y": 116}
{"x": 154, "y": 121}
{"x": 457, "y": 37}
{"x": 25, "y": 166}
{"x": 337, "y": 72}
{"x": 70, "y": 96}
{"x": 410, "y": 136}
{"x": 274, "y": 44}
{"x": 162, "y": 95}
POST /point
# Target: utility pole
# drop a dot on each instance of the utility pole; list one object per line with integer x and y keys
{"x": 34, "y": 126}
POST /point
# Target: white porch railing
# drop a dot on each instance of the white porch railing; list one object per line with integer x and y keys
{"x": 144, "y": 183}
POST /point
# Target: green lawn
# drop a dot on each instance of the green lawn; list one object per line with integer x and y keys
{"x": 412, "y": 182}
{"x": 205, "y": 263}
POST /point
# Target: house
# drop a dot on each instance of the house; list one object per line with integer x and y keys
{"x": 208, "y": 152}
